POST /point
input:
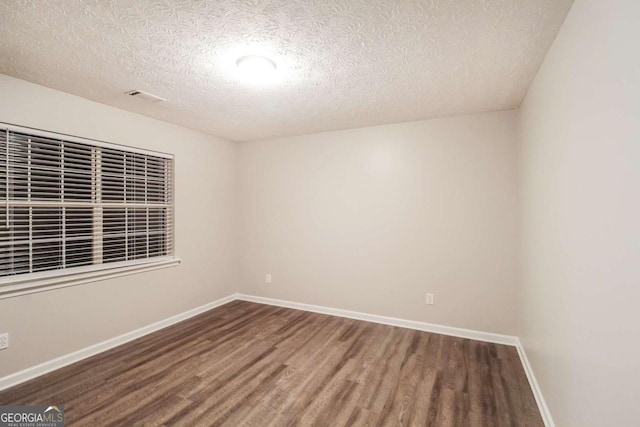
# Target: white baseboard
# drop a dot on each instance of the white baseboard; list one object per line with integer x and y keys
{"x": 76, "y": 356}
{"x": 535, "y": 388}
{"x": 392, "y": 321}
{"x": 52, "y": 365}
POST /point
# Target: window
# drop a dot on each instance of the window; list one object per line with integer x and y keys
{"x": 71, "y": 205}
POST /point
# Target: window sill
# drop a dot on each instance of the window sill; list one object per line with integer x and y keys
{"x": 65, "y": 279}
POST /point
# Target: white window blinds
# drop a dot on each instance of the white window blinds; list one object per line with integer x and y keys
{"x": 70, "y": 203}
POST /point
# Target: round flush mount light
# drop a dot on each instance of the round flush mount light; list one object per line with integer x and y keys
{"x": 256, "y": 69}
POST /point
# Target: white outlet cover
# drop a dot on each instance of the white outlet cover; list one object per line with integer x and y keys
{"x": 430, "y": 298}
{"x": 268, "y": 278}
{"x": 4, "y": 341}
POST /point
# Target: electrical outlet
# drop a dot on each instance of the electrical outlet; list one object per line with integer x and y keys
{"x": 267, "y": 279}
{"x": 4, "y": 341}
{"x": 430, "y": 298}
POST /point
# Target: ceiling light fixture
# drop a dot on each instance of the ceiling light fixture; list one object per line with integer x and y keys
{"x": 257, "y": 69}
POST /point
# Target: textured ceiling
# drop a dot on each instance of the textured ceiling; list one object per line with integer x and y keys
{"x": 342, "y": 64}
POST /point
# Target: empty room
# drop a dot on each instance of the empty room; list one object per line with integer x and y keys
{"x": 320, "y": 213}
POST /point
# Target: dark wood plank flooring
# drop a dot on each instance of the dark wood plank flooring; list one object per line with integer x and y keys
{"x": 246, "y": 364}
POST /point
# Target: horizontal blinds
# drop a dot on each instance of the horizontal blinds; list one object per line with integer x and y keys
{"x": 66, "y": 204}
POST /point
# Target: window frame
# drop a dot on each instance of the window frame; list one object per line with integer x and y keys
{"x": 25, "y": 283}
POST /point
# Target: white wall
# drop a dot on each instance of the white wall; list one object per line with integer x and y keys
{"x": 49, "y": 324}
{"x": 371, "y": 219}
{"x": 579, "y": 130}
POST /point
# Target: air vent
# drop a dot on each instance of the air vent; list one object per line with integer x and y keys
{"x": 145, "y": 95}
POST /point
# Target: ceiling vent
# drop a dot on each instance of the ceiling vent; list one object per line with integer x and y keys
{"x": 145, "y": 95}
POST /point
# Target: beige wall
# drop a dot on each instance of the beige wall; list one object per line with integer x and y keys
{"x": 367, "y": 219}
{"x": 49, "y": 324}
{"x": 371, "y": 219}
{"x": 580, "y": 139}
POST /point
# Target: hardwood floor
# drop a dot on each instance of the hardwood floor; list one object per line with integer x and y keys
{"x": 246, "y": 364}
